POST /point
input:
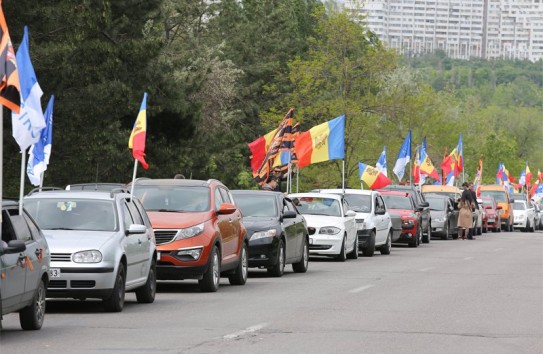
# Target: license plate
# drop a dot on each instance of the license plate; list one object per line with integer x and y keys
{"x": 54, "y": 272}
{"x": 158, "y": 256}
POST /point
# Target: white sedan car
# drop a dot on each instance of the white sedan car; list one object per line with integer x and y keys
{"x": 331, "y": 224}
{"x": 374, "y": 226}
{"x": 524, "y": 216}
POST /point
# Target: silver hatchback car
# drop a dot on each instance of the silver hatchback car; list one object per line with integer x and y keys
{"x": 102, "y": 245}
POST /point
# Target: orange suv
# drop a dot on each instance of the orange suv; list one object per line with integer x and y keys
{"x": 198, "y": 231}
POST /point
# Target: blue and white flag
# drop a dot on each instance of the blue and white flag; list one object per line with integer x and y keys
{"x": 40, "y": 152}
{"x": 404, "y": 156}
{"x": 28, "y": 124}
{"x": 381, "y": 164}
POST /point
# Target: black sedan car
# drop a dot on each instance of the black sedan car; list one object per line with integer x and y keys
{"x": 277, "y": 232}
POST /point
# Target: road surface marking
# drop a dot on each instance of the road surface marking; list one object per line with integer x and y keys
{"x": 498, "y": 249}
{"x": 360, "y": 289}
{"x": 243, "y": 332}
{"x": 425, "y": 269}
{"x": 468, "y": 258}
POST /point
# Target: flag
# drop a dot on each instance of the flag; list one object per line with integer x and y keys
{"x": 522, "y": 178}
{"x": 449, "y": 167}
{"x": 528, "y": 175}
{"x": 136, "y": 142}
{"x": 537, "y": 188}
{"x": 426, "y": 166}
{"x": 417, "y": 177}
{"x": 28, "y": 123}
{"x": 478, "y": 177}
{"x": 258, "y": 148}
{"x": 459, "y": 157}
{"x": 499, "y": 179}
{"x": 40, "y": 152}
{"x": 283, "y": 130}
{"x": 382, "y": 162}
{"x": 404, "y": 156}
{"x": 321, "y": 143}
{"x": 10, "y": 88}
{"x": 539, "y": 175}
{"x": 286, "y": 153}
{"x": 374, "y": 178}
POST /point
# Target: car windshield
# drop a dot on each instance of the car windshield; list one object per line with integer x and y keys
{"x": 73, "y": 214}
{"x": 174, "y": 198}
{"x": 436, "y": 203}
{"x": 359, "y": 202}
{"x": 519, "y": 206}
{"x": 256, "y": 205}
{"x": 319, "y": 206}
{"x": 497, "y": 195}
{"x": 397, "y": 202}
{"x": 488, "y": 202}
{"x": 451, "y": 195}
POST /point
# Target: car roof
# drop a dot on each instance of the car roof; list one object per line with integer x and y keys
{"x": 9, "y": 203}
{"x": 430, "y": 188}
{"x": 77, "y": 194}
{"x": 175, "y": 182}
{"x": 436, "y": 196}
{"x": 346, "y": 191}
{"x": 94, "y": 186}
{"x": 403, "y": 194}
{"x": 314, "y": 195}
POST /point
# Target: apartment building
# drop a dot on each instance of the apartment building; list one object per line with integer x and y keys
{"x": 464, "y": 29}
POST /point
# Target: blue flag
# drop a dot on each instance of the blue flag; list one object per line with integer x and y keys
{"x": 41, "y": 151}
{"x": 381, "y": 164}
{"x": 404, "y": 156}
{"x": 28, "y": 124}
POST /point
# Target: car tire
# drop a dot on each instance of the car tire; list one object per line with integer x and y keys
{"x": 445, "y": 235}
{"x": 239, "y": 277}
{"x": 212, "y": 277}
{"x": 303, "y": 264}
{"x": 354, "y": 253}
{"x": 32, "y": 316}
{"x": 385, "y": 249}
{"x": 115, "y": 302}
{"x": 369, "y": 250}
{"x": 428, "y": 237}
{"x": 278, "y": 268}
{"x": 416, "y": 241}
{"x": 146, "y": 294}
{"x": 342, "y": 257}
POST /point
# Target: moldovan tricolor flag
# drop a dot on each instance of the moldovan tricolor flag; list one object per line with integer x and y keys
{"x": 426, "y": 166}
{"x": 372, "y": 176}
{"x": 29, "y": 122}
{"x": 259, "y": 148}
{"x": 137, "y": 137}
{"x": 321, "y": 143}
{"x": 404, "y": 156}
{"x": 528, "y": 175}
{"x": 10, "y": 88}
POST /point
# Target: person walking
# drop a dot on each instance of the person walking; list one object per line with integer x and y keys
{"x": 271, "y": 185}
{"x": 465, "y": 220}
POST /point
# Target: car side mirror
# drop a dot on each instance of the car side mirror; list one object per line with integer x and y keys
{"x": 14, "y": 246}
{"x": 421, "y": 208}
{"x": 289, "y": 214}
{"x": 425, "y": 204}
{"x": 227, "y": 208}
{"x": 136, "y": 229}
{"x": 350, "y": 213}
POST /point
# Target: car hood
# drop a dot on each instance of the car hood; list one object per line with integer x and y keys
{"x": 360, "y": 215}
{"x": 172, "y": 220}
{"x": 323, "y": 220}
{"x": 254, "y": 223}
{"x": 69, "y": 241}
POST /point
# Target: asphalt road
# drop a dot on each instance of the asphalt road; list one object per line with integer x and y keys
{"x": 482, "y": 296}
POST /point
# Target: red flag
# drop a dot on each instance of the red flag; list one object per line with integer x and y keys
{"x": 136, "y": 142}
{"x": 10, "y": 88}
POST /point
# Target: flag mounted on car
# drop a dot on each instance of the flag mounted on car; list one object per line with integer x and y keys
{"x": 136, "y": 142}
{"x": 374, "y": 178}
{"x": 382, "y": 162}
{"x": 40, "y": 152}
{"x": 10, "y": 88}
{"x": 404, "y": 157}
{"x": 426, "y": 166}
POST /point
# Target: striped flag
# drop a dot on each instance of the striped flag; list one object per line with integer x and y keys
{"x": 10, "y": 88}
{"x": 40, "y": 152}
{"x": 374, "y": 178}
{"x": 404, "y": 156}
{"x": 136, "y": 142}
{"x": 382, "y": 162}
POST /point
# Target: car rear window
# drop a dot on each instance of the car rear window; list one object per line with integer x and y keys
{"x": 359, "y": 202}
{"x": 319, "y": 206}
{"x": 73, "y": 214}
{"x": 174, "y": 198}
{"x": 397, "y": 202}
{"x": 256, "y": 205}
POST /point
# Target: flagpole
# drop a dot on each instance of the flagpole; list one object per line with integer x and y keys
{"x": 22, "y": 184}
{"x": 42, "y": 177}
{"x": 133, "y": 178}
{"x": 343, "y": 176}
{"x": 297, "y": 178}
{"x": 289, "y": 180}
{"x": 1, "y": 157}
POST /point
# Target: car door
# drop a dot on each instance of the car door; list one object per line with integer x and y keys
{"x": 32, "y": 256}
{"x": 290, "y": 229}
{"x": 378, "y": 217}
{"x": 131, "y": 244}
{"x": 226, "y": 229}
{"x": 383, "y": 218}
{"x": 144, "y": 244}
{"x": 350, "y": 224}
{"x": 13, "y": 277}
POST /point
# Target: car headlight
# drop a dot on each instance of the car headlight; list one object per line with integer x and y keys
{"x": 440, "y": 219}
{"x": 190, "y": 232}
{"x": 329, "y": 230}
{"x": 92, "y": 256}
{"x": 263, "y": 234}
{"x": 408, "y": 222}
{"x": 360, "y": 224}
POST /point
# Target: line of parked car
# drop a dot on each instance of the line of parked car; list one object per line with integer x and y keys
{"x": 99, "y": 241}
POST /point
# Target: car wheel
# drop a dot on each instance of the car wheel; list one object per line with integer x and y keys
{"x": 415, "y": 241}
{"x": 532, "y": 228}
{"x": 115, "y": 302}
{"x": 343, "y": 252}
{"x": 279, "y": 268}
{"x": 445, "y": 235}
{"x": 385, "y": 249}
{"x": 212, "y": 277}
{"x": 369, "y": 250}
{"x": 146, "y": 294}
{"x": 239, "y": 277}
{"x": 32, "y": 316}
{"x": 354, "y": 253}
{"x": 428, "y": 237}
{"x": 303, "y": 264}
